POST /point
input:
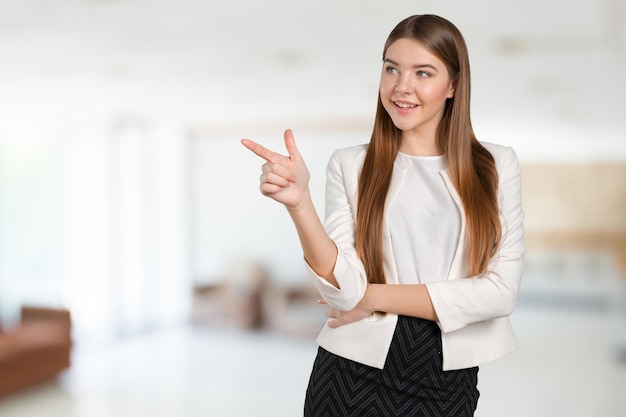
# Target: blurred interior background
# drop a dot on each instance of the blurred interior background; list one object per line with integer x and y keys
{"x": 127, "y": 199}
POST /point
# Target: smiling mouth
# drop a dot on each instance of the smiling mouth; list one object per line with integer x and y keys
{"x": 405, "y": 105}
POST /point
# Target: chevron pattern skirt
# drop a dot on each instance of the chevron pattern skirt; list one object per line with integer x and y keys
{"x": 411, "y": 384}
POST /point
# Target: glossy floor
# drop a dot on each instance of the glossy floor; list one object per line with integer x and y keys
{"x": 567, "y": 365}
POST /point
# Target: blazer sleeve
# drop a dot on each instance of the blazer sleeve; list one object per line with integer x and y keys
{"x": 340, "y": 225}
{"x": 463, "y": 301}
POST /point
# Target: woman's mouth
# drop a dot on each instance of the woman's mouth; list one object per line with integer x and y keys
{"x": 405, "y": 105}
{"x": 404, "y": 108}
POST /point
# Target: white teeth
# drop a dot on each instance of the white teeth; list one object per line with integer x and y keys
{"x": 405, "y": 105}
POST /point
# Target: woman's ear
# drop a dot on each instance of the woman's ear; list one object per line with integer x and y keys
{"x": 452, "y": 89}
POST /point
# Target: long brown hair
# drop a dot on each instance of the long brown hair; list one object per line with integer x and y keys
{"x": 471, "y": 167}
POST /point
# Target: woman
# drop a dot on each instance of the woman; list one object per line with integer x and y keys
{"x": 420, "y": 255}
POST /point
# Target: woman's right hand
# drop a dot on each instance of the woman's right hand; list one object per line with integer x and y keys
{"x": 284, "y": 178}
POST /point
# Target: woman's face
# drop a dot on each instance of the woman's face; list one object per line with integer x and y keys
{"x": 414, "y": 86}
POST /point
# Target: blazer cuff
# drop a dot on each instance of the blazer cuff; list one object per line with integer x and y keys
{"x": 446, "y": 319}
{"x": 352, "y": 286}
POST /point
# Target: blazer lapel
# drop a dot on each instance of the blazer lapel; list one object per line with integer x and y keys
{"x": 397, "y": 179}
{"x": 458, "y": 267}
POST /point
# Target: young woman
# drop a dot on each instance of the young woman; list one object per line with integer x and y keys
{"x": 420, "y": 255}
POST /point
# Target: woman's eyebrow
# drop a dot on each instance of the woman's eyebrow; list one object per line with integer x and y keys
{"x": 392, "y": 62}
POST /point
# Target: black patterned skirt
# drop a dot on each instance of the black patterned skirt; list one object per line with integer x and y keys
{"x": 411, "y": 384}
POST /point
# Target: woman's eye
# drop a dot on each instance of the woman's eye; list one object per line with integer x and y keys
{"x": 422, "y": 74}
{"x": 391, "y": 70}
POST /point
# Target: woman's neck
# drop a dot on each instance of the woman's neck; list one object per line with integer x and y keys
{"x": 415, "y": 145}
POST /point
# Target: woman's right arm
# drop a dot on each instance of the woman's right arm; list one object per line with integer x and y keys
{"x": 285, "y": 179}
{"x": 342, "y": 174}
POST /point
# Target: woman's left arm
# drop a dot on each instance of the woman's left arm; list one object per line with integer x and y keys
{"x": 407, "y": 300}
{"x": 464, "y": 301}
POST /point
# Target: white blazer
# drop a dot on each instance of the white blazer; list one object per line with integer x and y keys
{"x": 472, "y": 312}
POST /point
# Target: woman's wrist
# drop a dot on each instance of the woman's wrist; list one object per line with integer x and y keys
{"x": 302, "y": 206}
{"x": 370, "y": 298}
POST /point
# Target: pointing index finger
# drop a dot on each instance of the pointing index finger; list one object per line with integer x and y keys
{"x": 260, "y": 150}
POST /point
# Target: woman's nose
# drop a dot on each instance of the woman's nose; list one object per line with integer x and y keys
{"x": 403, "y": 84}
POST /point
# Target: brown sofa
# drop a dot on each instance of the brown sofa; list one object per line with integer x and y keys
{"x": 37, "y": 350}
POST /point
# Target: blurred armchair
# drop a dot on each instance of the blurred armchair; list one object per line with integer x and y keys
{"x": 37, "y": 350}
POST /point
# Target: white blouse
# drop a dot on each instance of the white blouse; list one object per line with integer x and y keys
{"x": 424, "y": 222}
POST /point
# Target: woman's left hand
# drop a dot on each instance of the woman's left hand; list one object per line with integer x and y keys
{"x": 341, "y": 318}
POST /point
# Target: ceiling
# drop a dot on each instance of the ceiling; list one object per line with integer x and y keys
{"x": 557, "y": 64}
